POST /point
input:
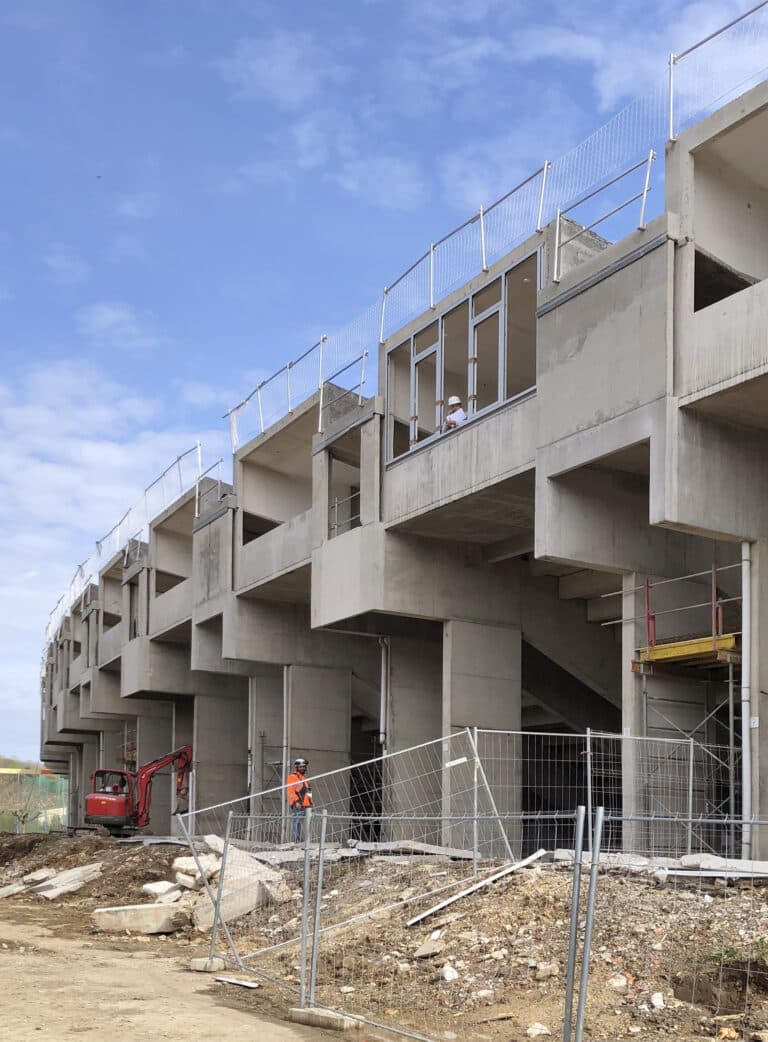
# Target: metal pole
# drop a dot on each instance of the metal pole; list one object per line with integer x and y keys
{"x": 556, "y": 261}
{"x": 199, "y": 458}
{"x": 336, "y": 516}
{"x": 731, "y": 760}
{"x": 383, "y": 309}
{"x": 690, "y": 794}
{"x": 432, "y": 275}
{"x": 671, "y": 99}
{"x": 261, "y": 412}
{"x": 746, "y": 698}
{"x": 475, "y": 836}
{"x": 288, "y": 383}
{"x": 318, "y": 903}
{"x": 591, "y": 895}
{"x": 540, "y": 213}
{"x": 589, "y": 789}
{"x": 492, "y": 801}
{"x": 305, "y": 905}
{"x": 220, "y": 888}
{"x": 482, "y": 240}
{"x": 362, "y": 378}
{"x": 574, "y": 927}
{"x": 651, "y": 157}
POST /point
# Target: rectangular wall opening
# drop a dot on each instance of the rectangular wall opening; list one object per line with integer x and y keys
{"x": 714, "y": 281}
{"x": 255, "y": 526}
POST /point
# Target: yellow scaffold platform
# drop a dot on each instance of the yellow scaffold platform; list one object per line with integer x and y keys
{"x": 694, "y": 651}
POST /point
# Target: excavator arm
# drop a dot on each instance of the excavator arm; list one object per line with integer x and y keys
{"x": 182, "y": 758}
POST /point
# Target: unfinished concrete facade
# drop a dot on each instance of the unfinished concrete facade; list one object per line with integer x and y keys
{"x": 373, "y": 580}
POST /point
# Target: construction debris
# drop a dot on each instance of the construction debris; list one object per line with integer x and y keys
{"x": 477, "y": 886}
{"x": 240, "y": 983}
{"x": 67, "y": 882}
{"x": 142, "y": 919}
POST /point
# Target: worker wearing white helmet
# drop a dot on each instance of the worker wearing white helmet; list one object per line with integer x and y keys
{"x": 456, "y": 415}
{"x": 299, "y": 796}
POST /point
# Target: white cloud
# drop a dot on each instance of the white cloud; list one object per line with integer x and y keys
{"x": 389, "y": 182}
{"x": 116, "y": 325}
{"x": 138, "y": 206}
{"x": 79, "y": 449}
{"x": 286, "y": 69}
{"x": 65, "y": 265}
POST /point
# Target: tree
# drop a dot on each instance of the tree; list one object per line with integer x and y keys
{"x": 22, "y": 799}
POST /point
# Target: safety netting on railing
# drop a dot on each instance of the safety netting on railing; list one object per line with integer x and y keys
{"x": 724, "y": 63}
{"x": 133, "y": 528}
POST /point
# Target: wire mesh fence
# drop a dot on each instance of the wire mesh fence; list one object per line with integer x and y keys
{"x": 416, "y": 939}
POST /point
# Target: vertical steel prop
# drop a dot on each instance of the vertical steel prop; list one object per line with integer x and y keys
{"x": 574, "y": 926}
{"x": 318, "y": 909}
{"x": 587, "y": 946}
{"x": 305, "y": 905}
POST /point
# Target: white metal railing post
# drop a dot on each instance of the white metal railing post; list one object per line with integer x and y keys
{"x": 383, "y": 309}
{"x": 482, "y": 240}
{"x": 362, "y": 378}
{"x": 671, "y": 99}
{"x": 288, "y": 384}
{"x": 556, "y": 258}
{"x": 261, "y": 411}
{"x": 646, "y": 186}
{"x": 690, "y": 794}
{"x": 432, "y": 275}
{"x": 199, "y": 457}
{"x": 320, "y": 385}
{"x": 540, "y": 213}
{"x": 233, "y": 433}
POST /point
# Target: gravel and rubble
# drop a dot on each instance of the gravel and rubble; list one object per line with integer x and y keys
{"x": 683, "y": 958}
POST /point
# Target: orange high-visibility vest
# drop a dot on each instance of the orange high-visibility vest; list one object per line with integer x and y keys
{"x": 299, "y": 791}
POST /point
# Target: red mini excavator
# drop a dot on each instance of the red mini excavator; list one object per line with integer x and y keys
{"x": 120, "y": 800}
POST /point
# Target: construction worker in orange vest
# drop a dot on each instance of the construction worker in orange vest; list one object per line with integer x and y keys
{"x": 299, "y": 797}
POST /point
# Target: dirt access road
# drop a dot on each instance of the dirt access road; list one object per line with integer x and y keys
{"x": 58, "y": 987}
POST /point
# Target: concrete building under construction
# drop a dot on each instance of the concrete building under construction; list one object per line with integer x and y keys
{"x": 586, "y": 551}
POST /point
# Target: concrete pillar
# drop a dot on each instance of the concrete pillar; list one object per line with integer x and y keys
{"x": 88, "y": 763}
{"x": 154, "y": 738}
{"x": 370, "y": 471}
{"x": 758, "y": 697}
{"x": 482, "y": 689}
{"x": 112, "y": 746}
{"x": 318, "y": 714}
{"x": 265, "y": 729}
{"x": 220, "y": 749}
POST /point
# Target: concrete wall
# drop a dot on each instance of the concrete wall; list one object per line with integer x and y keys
{"x": 220, "y": 749}
{"x": 277, "y": 551}
{"x": 731, "y": 215}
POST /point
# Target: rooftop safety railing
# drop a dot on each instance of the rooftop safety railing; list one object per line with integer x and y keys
{"x": 132, "y": 529}
{"x": 699, "y": 79}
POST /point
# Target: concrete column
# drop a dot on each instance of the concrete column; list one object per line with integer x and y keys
{"x": 265, "y": 731}
{"x": 154, "y": 738}
{"x": 321, "y": 478}
{"x": 318, "y": 714}
{"x": 482, "y": 688}
{"x": 413, "y": 782}
{"x": 88, "y": 763}
{"x": 220, "y": 749}
{"x": 370, "y": 471}
{"x": 758, "y": 696}
{"x": 112, "y": 746}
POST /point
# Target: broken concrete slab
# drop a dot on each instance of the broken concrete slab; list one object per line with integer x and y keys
{"x": 41, "y": 876}
{"x": 68, "y": 881}
{"x": 323, "y": 1018}
{"x": 429, "y": 949}
{"x": 170, "y": 896}
{"x": 142, "y": 919}
{"x": 159, "y": 888}
{"x": 207, "y": 864}
{"x": 405, "y": 846}
{"x": 214, "y": 843}
{"x": 248, "y": 884}
{"x": 12, "y": 889}
{"x": 189, "y": 882}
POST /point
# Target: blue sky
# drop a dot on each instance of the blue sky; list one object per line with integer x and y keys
{"x": 194, "y": 190}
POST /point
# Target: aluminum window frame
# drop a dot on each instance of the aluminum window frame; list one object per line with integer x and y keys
{"x": 438, "y": 349}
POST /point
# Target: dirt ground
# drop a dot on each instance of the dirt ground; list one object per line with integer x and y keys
{"x": 692, "y": 955}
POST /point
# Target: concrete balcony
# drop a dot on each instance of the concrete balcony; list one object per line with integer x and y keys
{"x": 725, "y": 360}
{"x": 110, "y": 645}
{"x": 280, "y": 551}
{"x": 170, "y": 609}
{"x": 418, "y": 490}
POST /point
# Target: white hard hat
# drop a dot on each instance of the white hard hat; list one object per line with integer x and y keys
{"x": 454, "y": 400}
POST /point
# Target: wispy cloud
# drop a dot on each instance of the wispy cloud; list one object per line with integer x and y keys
{"x": 116, "y": 325}
{"x": 285, "y": 69}
{"x": 389, "y": 182}
{"x": 65, "y": 265}
{"x": 138, "y": 206}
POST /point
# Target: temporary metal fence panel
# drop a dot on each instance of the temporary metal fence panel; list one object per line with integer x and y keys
{"x": 678, "y": 945}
